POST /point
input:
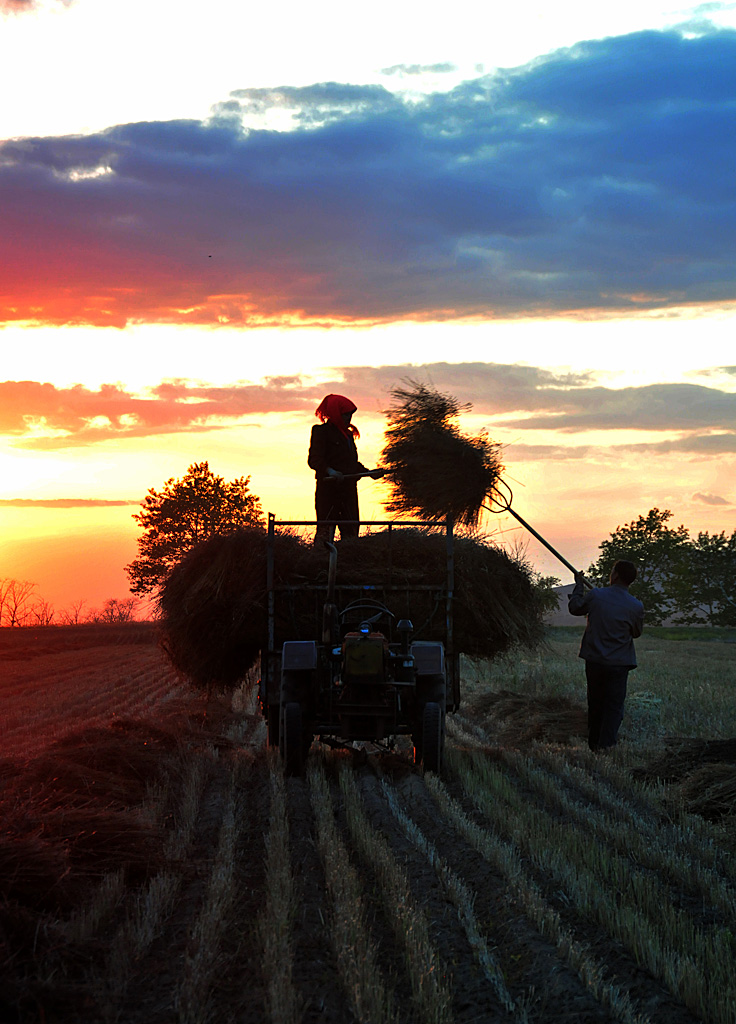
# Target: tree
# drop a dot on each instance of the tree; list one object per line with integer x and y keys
{"x": 182, "y": 514}
{"x": 115, "y": 609}
{"x": 15, "y": 596}
{"x": 708, "y": 591}
{"x": 661, "y": 556}
{"x": 41, "y": 613}
{"x": 72, "y": 616}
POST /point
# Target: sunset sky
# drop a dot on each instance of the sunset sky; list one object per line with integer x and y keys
{"x": 212, "y": 215}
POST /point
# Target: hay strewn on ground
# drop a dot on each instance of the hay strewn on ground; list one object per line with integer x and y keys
{"x": 514, "y": 719}
{"x": 710, "y": 791}
{"x": 703, "y": 773}
{"x": 73, "y": 813}
{"x": 683, "y": 756}
{"x": 214, "y": 604}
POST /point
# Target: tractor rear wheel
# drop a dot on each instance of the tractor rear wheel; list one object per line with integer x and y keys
{"x": 433, "y": 737}
{"x": 292, "y": 740}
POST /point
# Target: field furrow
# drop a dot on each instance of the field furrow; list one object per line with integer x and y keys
{"x": 159, "y": 868}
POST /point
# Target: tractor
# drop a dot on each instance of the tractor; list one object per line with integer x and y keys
{"x": 365, "y": 675}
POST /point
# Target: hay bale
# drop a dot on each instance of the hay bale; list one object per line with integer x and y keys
{"x": 517, "y": 719}
{"x": 710, "y": 791}
{"x": 434, "y": 470}
{"x": 214, "y": 605}
{"x": 683, "y": 756}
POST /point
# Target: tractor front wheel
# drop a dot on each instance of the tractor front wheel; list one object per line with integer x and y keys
{"x": 433, "y": 737}
{"x": 272, "y": 725}
{"x": 293, "y": 747}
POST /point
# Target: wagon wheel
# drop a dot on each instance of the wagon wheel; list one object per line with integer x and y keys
{"x": 433, "y": 737}
{"x": 292, "y": 740}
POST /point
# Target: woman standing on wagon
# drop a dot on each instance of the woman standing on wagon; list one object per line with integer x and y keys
{"x": 334, "y": 459}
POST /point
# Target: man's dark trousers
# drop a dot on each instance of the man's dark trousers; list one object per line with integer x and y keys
{"x": 606, "y": 696}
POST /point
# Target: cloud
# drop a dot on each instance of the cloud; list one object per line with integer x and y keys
{"x": 651, "y": 407}
{"x": 419, "y": 69}
{"x": 710, "y": 499}
{"x": 61, "y": 502}
{"x": 703, "y": 446}
{"x": 566, "y": 185}
{"x": 26, "y": 6}
{"x": 511, "y": 397}
{"x": 43, "y": 416}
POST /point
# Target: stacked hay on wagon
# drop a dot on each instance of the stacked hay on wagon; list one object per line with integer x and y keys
{"x": 214, "y": 604}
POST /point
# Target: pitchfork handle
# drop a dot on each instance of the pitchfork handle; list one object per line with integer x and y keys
{"x": 549, "y": 547}
{"x": 351, "y": 476}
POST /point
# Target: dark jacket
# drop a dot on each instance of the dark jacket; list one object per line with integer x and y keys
{"x": 615, "y": 617}
{"x": 328, "y": 446}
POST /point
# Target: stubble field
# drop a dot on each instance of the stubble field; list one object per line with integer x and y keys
{"x": 157, "y": 867}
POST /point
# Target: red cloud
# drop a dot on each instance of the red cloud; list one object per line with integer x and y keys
{"x": 45, "y": 416}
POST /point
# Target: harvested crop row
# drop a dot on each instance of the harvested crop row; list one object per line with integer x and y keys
{"x": 504, "y": 857}
{"x": 431, "y": 993}
{"x": 194, "y": 999}
{"x": 93, "y": 698}
{"x": 629, "y": 834}
{"x": 630, "y": 903}
{"x": 462, "y": 897}
{"x": 275, "y": 923}
{"x": 371, "y": 997}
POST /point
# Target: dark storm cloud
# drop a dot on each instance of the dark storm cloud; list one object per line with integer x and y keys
{"x": 511, "y": 398}
{"x": 597, "y": 178}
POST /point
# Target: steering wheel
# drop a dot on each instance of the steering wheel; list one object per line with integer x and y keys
{"x": 370, "y": 606}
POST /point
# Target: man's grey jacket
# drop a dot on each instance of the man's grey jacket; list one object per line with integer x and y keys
{"x": 615, "y": 617}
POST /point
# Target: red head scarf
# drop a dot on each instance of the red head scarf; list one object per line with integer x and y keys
{"x": 331, "y": 409}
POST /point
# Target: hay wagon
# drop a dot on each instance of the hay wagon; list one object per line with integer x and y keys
{"x": 377, "y": 660}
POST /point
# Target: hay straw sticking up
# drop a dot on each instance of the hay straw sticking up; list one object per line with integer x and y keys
{"x": 436, "y": 471}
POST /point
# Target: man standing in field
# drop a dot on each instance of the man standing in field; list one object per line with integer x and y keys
{"x": 615, "y": 617}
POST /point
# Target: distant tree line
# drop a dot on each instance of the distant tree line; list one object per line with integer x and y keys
{"x": 690, "y": 580}
{"x": 21, "y": 605}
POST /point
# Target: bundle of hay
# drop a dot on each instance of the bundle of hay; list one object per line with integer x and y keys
{"x": 434, "y": 470}
{"x": 683, "y": 756}
{"x": 214, "y": 605}
{"x": 710, "y": 791}
{"x": 517, "y": 719}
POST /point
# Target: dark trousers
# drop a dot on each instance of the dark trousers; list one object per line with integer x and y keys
{"x": 336, "y": 500}
{"x": 606, "y": 696}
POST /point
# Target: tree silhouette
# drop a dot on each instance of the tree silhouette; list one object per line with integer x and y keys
{"x": 183, "y": 513}
{"x": 15, "y": 596}
{"x": 708, "y": 592}
{"x": 660, "y": 555}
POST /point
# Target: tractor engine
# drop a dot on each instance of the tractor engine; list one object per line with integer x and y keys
{"x": 367, "y": 700}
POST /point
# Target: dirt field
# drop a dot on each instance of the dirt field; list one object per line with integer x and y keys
{"x": 156, "y": 867}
